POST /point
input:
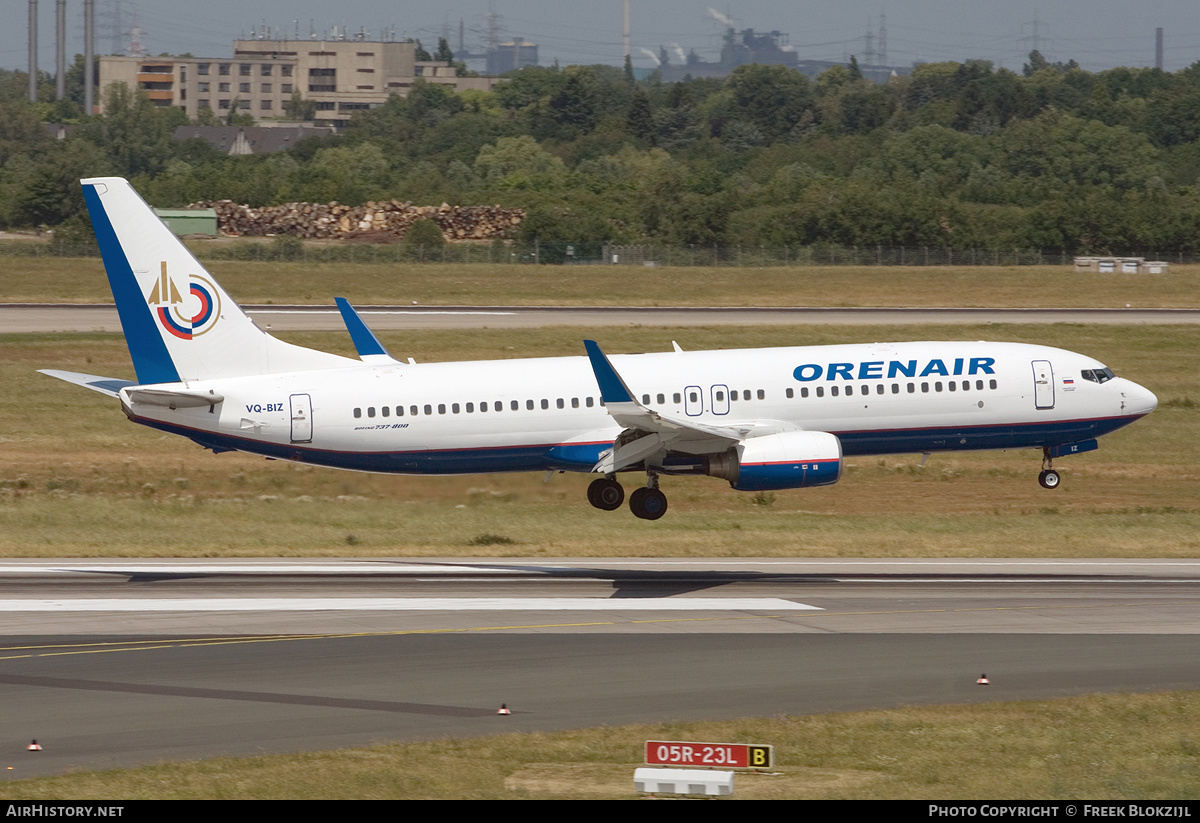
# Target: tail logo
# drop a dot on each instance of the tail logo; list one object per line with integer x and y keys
{"x": 182, "y": 317}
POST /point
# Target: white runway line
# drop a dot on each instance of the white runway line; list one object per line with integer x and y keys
{"x": 259, "y": 569}
{"x": 316, "y": 604}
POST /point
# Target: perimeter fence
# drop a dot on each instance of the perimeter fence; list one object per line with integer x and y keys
{"x": 602, "y": 254}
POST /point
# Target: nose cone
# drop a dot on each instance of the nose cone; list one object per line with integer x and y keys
{"x": 1139, "y": 400}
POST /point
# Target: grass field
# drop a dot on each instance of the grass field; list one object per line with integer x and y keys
{"x": 37, "y": 280}
{"x": 77, "y": 479}
{"x": 1103, "y": 747}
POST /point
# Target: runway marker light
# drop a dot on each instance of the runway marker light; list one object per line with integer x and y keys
{"x": 983, "y": 681}
{"x": 504, "y": 709}
{"x": 33, "y": 747}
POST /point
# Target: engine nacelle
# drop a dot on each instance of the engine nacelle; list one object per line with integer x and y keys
{"x": 788, "y": 460}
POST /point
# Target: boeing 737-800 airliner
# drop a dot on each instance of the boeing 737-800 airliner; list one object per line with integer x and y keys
{"x": 761, "y": 419}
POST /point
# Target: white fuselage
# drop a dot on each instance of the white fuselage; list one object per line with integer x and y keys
{"x": 520, "y": 415}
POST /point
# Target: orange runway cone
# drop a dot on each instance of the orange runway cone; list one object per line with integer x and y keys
{"x": 983, "y": 681}
{"x": 33, "y": 747}
{"x": 504, "y": 709}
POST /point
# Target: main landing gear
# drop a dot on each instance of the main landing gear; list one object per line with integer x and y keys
{"x": 648, "y": 502}
{"x": 1049, "y": 478}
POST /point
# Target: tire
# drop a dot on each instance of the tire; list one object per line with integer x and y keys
{"x": 606, "y": 494}
{"x": 1049, "y": 479}
{"x": 648, "y": 504}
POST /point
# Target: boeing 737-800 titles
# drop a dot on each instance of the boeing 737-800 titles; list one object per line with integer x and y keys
{"x": 762, "y": 419}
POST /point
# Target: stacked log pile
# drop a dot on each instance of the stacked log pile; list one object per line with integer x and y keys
{"x": 382, "y": 220}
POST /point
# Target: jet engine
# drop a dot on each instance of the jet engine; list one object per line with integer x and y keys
{"x": 787, "y": 460}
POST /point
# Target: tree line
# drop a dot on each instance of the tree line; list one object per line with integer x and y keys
{"x": 954, "y": 155}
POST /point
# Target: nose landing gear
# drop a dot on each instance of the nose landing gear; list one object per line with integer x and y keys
{"x": 1049, "y": 478}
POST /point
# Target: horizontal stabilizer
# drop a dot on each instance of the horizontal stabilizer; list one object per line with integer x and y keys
{"x": 174, "y": 398}
{"x": 104, "y": 385}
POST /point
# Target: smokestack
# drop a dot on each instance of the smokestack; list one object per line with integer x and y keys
{"x": 89, "y": 55}
{"x": 33, "y": 43}
{"x": 627, "y": 54}
{"x": 1158, "y": 57}
{"x": 60, "y": 54}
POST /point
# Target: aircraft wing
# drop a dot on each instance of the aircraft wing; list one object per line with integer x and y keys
{"x": 105, "y": 385}
{"x": 648, "y": 432}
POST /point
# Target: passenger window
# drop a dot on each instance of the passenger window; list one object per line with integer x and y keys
{"x": 482, "y": 407}
{"x": 820, "y": 391}
{"x": 693, "y": 397}
{"x": 428, "y": 409}
{"x": 386, "y": 411}
{"x": 762, "y": 395}
{"x": 370, "y": 411}
{"x": 925, "y": 387}
{"x": 911, "y": 388}
{"x": 849, "y": 390}
{"x": 662, "y": 399}
{"x": 645, "y": 400}
{"x": 952, "y": 386}
{"x": 879, "y": 389}
{"x": 979, "y": 385}
{"x": 720, "y": 397}
{"x": 574, "y": 402}
{"x": 746, "y": 394}
{"x": 992, "y": 383}
{"x": 470, "y": 408}
{"x": 677, "y": 397}
{"x": 560, "y": 403}
{"x": 529, "y": 405}
{"x": 789, "y": 394}
{"x": 589, "y": 401}
{"x": 895, "y": 388}
{"x": 441, "y": 408}
{"x": 545, "y": 403}
{"x": 357, "y": 413}
{"x": 833, "y": 391}
{"x": 804, "y": 391}
{"x": 399, "y": 411}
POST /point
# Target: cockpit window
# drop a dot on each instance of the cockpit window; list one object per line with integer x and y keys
{"x": 1098, "y": 375}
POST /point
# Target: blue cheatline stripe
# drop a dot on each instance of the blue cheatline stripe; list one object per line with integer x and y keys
{"x": 612, "y": 388}
{"x": 365, "y": 341}
{"x": 582, "y": 456}
{"x": 151, "y": 360}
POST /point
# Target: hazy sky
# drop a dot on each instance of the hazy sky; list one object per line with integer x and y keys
{"x": 1098, "y": 34}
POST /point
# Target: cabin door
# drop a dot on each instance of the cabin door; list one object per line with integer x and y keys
{"x": 301, "y": 418}
{"x": 1043, "y": 384}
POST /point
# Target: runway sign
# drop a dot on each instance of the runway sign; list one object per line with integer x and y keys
{"x": 728, "y": 755}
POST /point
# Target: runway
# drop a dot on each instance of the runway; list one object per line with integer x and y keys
{"x": 120, "y": 662}
{"x": 27, "y": 318}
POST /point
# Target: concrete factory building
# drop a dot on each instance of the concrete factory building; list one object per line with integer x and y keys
{"x": 339, "y": 77}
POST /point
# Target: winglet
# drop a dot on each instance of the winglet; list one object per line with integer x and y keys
{"x": 369, "y": 349}
{"x": 612, "y": 387}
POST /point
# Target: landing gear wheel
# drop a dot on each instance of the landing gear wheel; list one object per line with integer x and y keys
{"x": 606, "y": 494}
{"x": 648, "y": 504}
{"x": 1049, "y": 479}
